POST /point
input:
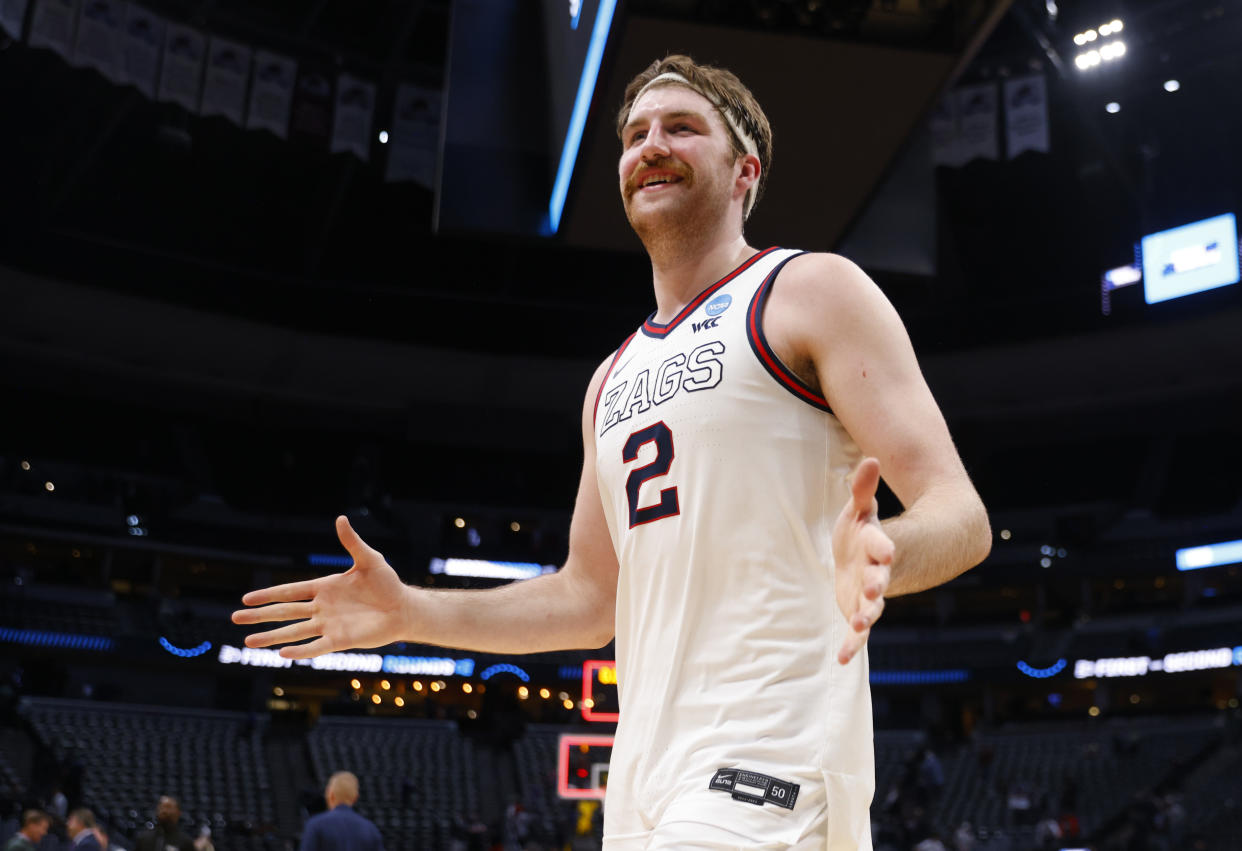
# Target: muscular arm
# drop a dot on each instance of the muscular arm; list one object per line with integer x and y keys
{"x": 369, "y": 606}
{"x": 841, "y": 335}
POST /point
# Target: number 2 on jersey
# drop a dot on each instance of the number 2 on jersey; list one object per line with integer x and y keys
{"x": 660, "y": 435}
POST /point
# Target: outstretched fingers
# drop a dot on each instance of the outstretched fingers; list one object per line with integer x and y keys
{"x": 274, "y": 612}
{"x": 284, "y": 635}
{"x": 292, "y": 592}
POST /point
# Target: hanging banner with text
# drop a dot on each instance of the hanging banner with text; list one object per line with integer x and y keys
{"x": 1026, "y": 115}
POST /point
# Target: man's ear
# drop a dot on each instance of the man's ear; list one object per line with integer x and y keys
{"x": 751, "y": 169}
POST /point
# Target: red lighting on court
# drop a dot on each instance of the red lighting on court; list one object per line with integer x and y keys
{"x": 567, "y": 741}
{"x": 588, "y": 685}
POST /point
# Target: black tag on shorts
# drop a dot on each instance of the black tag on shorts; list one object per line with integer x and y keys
{"x": 755, "y": 788}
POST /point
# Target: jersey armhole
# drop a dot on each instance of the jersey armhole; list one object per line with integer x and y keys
{"x": 603, "y": 381}
{"x": 763, "y": 351}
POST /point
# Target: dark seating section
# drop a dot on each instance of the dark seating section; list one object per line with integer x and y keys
{"x": 11, "y": 787}
{"x": 56, "y": 609}
{"x": 535, "y": 756}
{"x": 212, "y": 762}
{"x": 421, "y": 780}
{"x": 1213, "y": 796}
{"x": 418, "y": 778}
{"x": 1096, "y": 770}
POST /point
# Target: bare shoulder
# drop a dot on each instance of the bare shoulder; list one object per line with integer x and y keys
{"x": 825, "y": 284}
{"x": 823, "y": 304}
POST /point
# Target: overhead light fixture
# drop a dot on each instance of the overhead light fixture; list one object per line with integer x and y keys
{"x": 1112, "y": 50}
{"x": 1112, "y": 108}
{"x": 1171, "y": 85}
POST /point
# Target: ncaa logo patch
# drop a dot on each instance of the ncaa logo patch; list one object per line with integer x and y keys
{"x": 718, "y": 305}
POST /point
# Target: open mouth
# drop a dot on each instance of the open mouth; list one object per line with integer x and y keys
{"x": 656, "y": 182}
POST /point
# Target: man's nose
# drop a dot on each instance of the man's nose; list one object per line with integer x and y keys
{"x": 655, "y": 144}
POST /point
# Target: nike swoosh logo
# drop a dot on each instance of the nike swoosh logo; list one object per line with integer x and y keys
{"x": 622, "y": 366}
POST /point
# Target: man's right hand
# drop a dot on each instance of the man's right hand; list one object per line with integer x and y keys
{"x": 366, "y": 606}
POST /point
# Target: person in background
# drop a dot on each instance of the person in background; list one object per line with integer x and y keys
{"x": 340, "y": 828}
{"x": 84, "y": 833}
{"x": 167, "y": 831}
{"x": 35, "y": 825}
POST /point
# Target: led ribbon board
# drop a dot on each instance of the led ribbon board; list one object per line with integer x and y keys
{"x": 358, "y": 663}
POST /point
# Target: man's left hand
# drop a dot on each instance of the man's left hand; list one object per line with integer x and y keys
{"x": 863, "y": 555}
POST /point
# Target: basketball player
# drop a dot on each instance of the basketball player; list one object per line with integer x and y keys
{"x": 725, "y": 529}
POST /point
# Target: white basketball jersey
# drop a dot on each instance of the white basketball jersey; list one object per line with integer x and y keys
{"x": 721, "y": 475}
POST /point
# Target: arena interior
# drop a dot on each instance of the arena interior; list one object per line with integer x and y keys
{"x": 263, "y": 263}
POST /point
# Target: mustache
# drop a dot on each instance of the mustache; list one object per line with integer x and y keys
{"x": 665, "y": 164}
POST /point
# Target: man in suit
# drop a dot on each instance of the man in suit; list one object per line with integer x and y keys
{"x": 340, "y": 828}
{"x": 83, "y": 831}
{"x": 167, "y": 831}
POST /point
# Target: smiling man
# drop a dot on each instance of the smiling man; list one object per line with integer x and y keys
{"x": 725, "y": 529}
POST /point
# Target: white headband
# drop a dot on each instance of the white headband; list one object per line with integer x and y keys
{"x": 748, "y": 141}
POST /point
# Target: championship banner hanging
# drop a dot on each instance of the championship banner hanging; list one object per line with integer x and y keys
{"x": 310, "y": 119}
{"x": 141, "y": 42}
{"x": 52, "y": 25}
{"x": 1026, "y": 115}
{"x": 99, "y": 39}
{"x": 224, "y": 87}
{"x": 414, "y": 136}
{"x": 355, "y": 110}
{"x": 181, "y": 76}
{"x": 946, "y": 133}
{"x": 977, "y": 113}
{"x": 271, "y": 93}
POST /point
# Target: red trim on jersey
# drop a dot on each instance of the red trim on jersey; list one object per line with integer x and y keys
{"x": 655, "y": 329}
{"x": 611, "y": 367}
{"x": 767, "y": 357}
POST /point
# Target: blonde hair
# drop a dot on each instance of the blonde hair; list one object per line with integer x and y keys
{"x": 727, "y": 94}
{"x": 344, "y": 785}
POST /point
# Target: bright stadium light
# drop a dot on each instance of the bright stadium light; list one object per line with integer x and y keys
{"x": 1080, "y": 39}
{"x": 1171, "y": 85}
{"x": 1112, "y": 108}
{"x": 1112, "y": 50}
{"x": 1090, "y": 35}
{"x": 1116, "y": 25}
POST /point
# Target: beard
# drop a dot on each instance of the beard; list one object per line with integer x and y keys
{"x": 675, "y": 224}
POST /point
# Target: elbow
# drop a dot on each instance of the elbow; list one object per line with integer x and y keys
{"x": 603, "y": 626}
{"x": 603, "y": 637}
{"x": 980, "y": 536}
